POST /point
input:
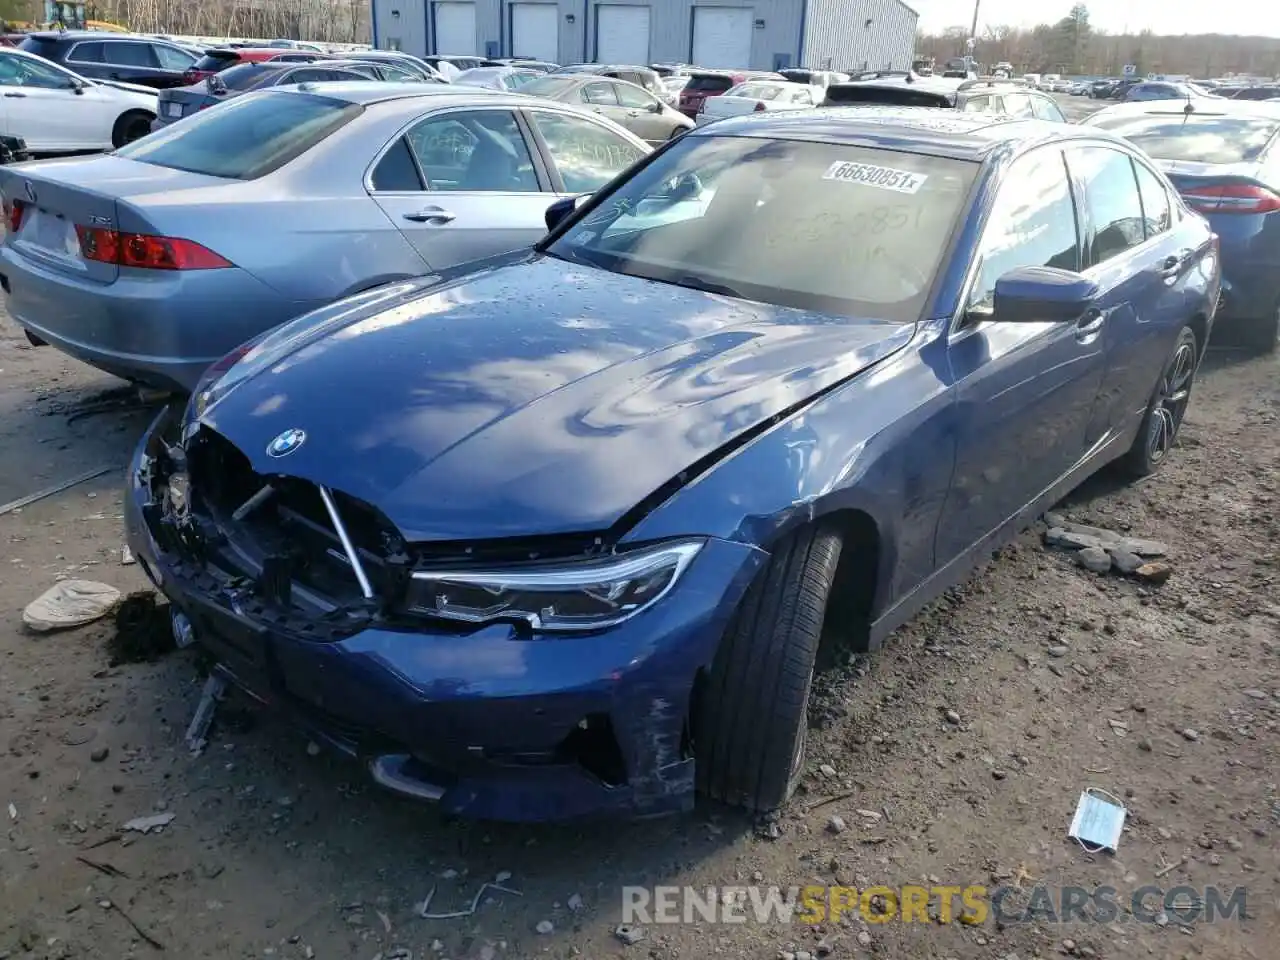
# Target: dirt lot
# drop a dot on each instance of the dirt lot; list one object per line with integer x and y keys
{"x": 956, "y": 754}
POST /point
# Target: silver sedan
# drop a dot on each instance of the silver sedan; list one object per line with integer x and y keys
{"x": 627, "y": 104}
{"x": 156, "y": 260}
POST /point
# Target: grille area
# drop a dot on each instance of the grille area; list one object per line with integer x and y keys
{"x": 287, "y": 543}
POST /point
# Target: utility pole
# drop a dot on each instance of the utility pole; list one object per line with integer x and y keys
{"x": 973, "y": 32}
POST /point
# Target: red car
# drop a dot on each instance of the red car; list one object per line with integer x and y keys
{"x": 215, "y": 61}
{"x": 712, "y": 83}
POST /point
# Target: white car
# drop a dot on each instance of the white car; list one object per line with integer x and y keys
{"x": 57, "y": 111}
{"x": 757, "y": 96}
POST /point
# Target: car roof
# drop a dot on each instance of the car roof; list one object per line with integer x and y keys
{"x": 90, "y": 35}
{"x": 1200, "y": 107}
{"x": 946, "y": 133}
{"x": 365, "y": 92}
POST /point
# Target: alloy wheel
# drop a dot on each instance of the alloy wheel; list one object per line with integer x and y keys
{"x": 1171, "y": 403}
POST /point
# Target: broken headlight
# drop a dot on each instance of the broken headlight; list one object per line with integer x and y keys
{"x": 574, "y": 595}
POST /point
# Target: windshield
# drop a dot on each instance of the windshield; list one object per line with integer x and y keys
{"x": 550, "y": 87}
{"x": 244, "y": 138}
{"x": 215, "y": 60}
{"x": 826, "y": 227}
{"x": 708, "y": 83}
{"x": 1195, "y": 137}
{"x": 759, "y": 91}
{"x": 245, "y": 75}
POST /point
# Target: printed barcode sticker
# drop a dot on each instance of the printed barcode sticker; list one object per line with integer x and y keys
{"x": 869, "y": 175}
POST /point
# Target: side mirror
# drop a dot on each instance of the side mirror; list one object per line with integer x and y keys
{"x": 560, "y": 211}
{"x": 655, "y": 107}
{"x": 77, "y": 88}
{"x": 1042, "y": 295}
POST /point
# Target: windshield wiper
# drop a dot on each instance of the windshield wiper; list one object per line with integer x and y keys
{"x": 709, "y": 286}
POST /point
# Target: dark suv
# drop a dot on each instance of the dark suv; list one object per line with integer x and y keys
{"x": 969, "y": 96}
{"x": 111, "y": 56}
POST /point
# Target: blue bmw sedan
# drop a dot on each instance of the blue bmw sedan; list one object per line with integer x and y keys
{"x": 560, "y": 533}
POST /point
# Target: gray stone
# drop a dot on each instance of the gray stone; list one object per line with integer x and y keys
{"x": 1143, "y": 548}
{"x": 1059, "y": 537}
{"x": 836, "y": 825}
{"x": 1234, "y": 845}
{"x": 1058, "y": 650}
{"x": 1124, "y": 561}
{"x": 1095, "y": 559}
{"x": 1189, "y": 733}
{"x": 1255, "y": 694}
{"x": 827, "y": 770}
{"x": 545, "y": 926}
{"x": 1055, "y": 519}
{"x": 629, "y": 933}
{"x": 952, "y": 718}
{"x": 1098, "y": 533}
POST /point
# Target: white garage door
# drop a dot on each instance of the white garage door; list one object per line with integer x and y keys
{"x": 622, "y": 34}
{"x": 456, "y": 28}
{"x": 722, "y": 36}
{"x": 535, "y": 31}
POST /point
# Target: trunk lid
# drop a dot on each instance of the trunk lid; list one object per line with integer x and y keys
{"x": 59, "y": 195}
{"x": 178, "y": 102}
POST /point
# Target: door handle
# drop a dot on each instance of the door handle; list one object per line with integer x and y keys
{"x": 1171, "y": 266}
{"x": 1090, "y": 323}
{"x": 431, "y": 215}
{"x": 14, "y": 93}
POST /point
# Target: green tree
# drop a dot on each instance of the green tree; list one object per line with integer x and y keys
{"x": 1071, "y": 36}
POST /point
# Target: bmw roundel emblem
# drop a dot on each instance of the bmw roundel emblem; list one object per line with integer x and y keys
{"x": 286, "y": 443}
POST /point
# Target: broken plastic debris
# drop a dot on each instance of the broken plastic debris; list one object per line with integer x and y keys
{"x": 126, "y": 555}
{"x": 469, "y": 910}
{"x": 1098, "y": 821}
{"x": 13, "y": 812}
{"x": 198, "y": 731}
{"x": 71, "y": 603}
{"x": 157, "y": 821}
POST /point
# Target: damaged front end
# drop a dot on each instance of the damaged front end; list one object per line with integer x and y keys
{"x": 500, "y": 695}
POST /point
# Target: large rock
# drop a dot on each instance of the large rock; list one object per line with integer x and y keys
{"x": 1095, "y": 559}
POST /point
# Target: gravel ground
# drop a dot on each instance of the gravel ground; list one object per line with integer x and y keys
{"x": 954, "y": 756}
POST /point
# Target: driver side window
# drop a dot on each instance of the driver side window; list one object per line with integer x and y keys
{"x": 1032, "y": 224}
{"x": 24, "y": 72}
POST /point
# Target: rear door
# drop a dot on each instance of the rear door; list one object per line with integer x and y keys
{"x": 1026, "y": 392}
{"x": 132, "y": 62}
{"x": 601, "y": 96}
{"x": 1142, "y": 267}
{"x": 462, "y": 185}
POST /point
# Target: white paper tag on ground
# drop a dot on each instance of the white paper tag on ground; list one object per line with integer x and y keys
{"x": 869, "y": 175}
{"x": 1098, "y": 821}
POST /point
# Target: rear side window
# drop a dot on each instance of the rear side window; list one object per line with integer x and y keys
{"x": 216, "y": 61}
{"x": 245, "y": 138}
{"x": 397, "y": 172}
{"x": 85, "y": 53}
{"x": 1111, "y": 195}
{"x": 1018, "y": 105}
{"x": 1156, "y": 212}
{"x": 128, "y": 54}
{"x": 1196, "y": 137}
{"x": 708, "y": 83}
{"x": 1046, "y": 109}
{"x": 1032, "y": 224}
{"x": 171, "y": 58}
{"x": 600, "y": 94}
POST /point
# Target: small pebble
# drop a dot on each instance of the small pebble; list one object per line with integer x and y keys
{"x": 836, "y": 825}
{"x": 100, "y": 754}
{"x": 952, "y": 718}
{"x": 545, "y": 927}
{"x": 1190, "y": 734}
{"x": 827, "y": 770}
{"x": 1234, "y": 845}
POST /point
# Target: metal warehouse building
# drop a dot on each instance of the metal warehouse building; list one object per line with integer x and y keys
{"x": 765, "y": 35}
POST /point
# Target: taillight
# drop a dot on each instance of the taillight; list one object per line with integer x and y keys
{"x": 760, "y": 107}
{"x": 146, "y": 252}
{"x": 13, "y": 211}
{"x": 1232, "y": 198}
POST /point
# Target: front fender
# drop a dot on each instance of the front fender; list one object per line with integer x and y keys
{"x": 882, "y": 444}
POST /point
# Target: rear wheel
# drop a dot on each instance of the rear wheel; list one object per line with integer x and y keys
{"x": 676, "y": 132}
{"x": 1166, "y": 410}
{"x": 750, "y": 724}
{"x": 130, "y": 126}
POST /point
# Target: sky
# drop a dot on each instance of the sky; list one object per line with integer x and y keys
{"x": 1256, "y": 17}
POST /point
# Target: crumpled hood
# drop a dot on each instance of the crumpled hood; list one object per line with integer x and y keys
{"x": 537, "y": 397}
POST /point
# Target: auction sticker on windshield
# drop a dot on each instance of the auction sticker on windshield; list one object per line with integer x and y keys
{"x": 869, "y": 175}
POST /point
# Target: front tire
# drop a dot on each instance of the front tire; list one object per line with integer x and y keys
{"x": 1165, "y": 412}
{"x": 131, "y": 126}
{"x": 750, "y": 723}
